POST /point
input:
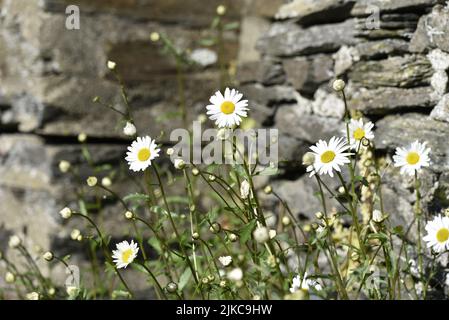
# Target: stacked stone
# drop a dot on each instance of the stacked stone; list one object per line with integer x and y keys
{"x": 396, "y": 70}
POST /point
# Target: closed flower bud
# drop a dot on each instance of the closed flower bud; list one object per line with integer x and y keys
{"x": 72, "y": 291}
{"x": 92, "y": 181}
{"x": 106, "y": 182}
{"x": 286, "y": 221}
{"x": 171, "y": 287}
{"x": 195, "y": 172}
{"x": 261, "y": 234}
{"x": 111, "y": 65}
{"x": 64, "y": 166}
{"x": 79, "y": 238}
{"x": 319, "y": 215}
{"x": 244, "y": 189}
{"x": 14, "y": 242}
{"x": 268, "y": 189}
{"x": 155, "y": 36}
{"x": 211, "y": 178}
{"x": 272, "y": 233}
{"x": 377, "y": 216}
{"x": 211, "y": 277}
{"x": 233, "y": 237}
{"x": 48, "y": 256}
{"x": 65, "y": 213}
{"x": 205, "y": 280}
{"x": 221, "y": 10}
{"x": 129, "y": 129}
{"x": 179, "y": 164}
{"x": 195, "y": 236}
{"x": 32, "y": 296}
{"x": 129, "y": 215}
{"x": 82, "y": 137}
{"x": 215, "y": 227}
{"x": 308, "y": 159}
{"x": 339, "y": 85}
{"x": 10, "y": 277}
{"x": 75, "y": 234}
{"x": 170, "y": 151}
{"x": 223, "y": 284}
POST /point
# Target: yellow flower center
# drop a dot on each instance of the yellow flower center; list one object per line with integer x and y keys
{"x": 442, "y": 235}
{"x": 227, "y": 107}
{"x": 412, "y": 158}
{"x": 126, "y": 255}
{"x": 144, "y": 154}
{"x": 327, "y": 156}
{"x": 359, "y": 134}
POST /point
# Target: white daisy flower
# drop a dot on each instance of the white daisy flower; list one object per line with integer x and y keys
{"x": 437, "y": 236}
{"x": 225, "y": 260}
{"x": 413, "y": 158}
{"x": 329, "y": 156}
{"x": 125, "y": 253}
{"x": 227, "y": 110}
{"x": 359, "y": 130}
{"x": 141, "y": 152}
{"x": 299, "y": 284}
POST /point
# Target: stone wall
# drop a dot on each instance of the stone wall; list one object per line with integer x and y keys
{"x": 287, "y": 54}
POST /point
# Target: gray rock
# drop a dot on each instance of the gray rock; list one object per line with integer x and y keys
{"x": 366, "y": 7}
{"x": 344, "y": 59}
{"x": 439, "y": 60}
{"x": 381, "y": 48}
{"x": 405, "y": 72}
{"x": 288, "y": 39}
{"x": 387, "y": 100}
{"x": 432, "y": 31}
{"x": 439, "y": 82}
{"x": 269, "y": 96}
{"x": 328, "y": 105}
{"x": 314, "y": 12}
{"x": 267, "y": 72}
{"x": 394, "y": 131}
{"x": 307, "y": 74}
{"x": 441, "y": 111}
{"x": 309, "y": 127}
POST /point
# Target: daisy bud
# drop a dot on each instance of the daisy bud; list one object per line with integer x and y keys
{"x": 377, "y": 216}
{"x": 192, "y": 208}
{"x": 179, "y": 164}
{"x": 92, "y": 181}
{"x": 308, "y": 159}
{"x": 354, "y": 256}
{"x": 111, "y": 65}
{"x": 272, "y": 233}
{"x": 211, "y": 178}
{"x": 10, "y": 277}
{"x": 319, "y": 215}
{"x": 268, "y": 189}
{"x": 235, "y": 274}
{"x": 75, "y": 234}
{"x": 195, "y": 172}
{"x": 195, "y": 236}
{"x": 202, "y": 118}
{"x": 233, "y": 237}
{"x": 66, "y": 213}
{"x": 339, "y": 85}
{"x": 307, "y": 228}
{"x": 14, "y": 242}
{"x": 171, "y": 287}
{"x": 32, "y": 296}
{"x": 221, "y": 10}
{"x": 79, "y": 238}
{"x": 215, "y": 227}
{"x": 64, "y": 166}
{"x": 225, "y": 260}
{"x": 315, "y": 226}
{"x": 48, "y": 256}
{"x": 51, "y": 292}
{"x": 223, "y": 283}
{"x": 106, "y": 182}
{"x": 155, "y": 36}
{"x": 82, "y": 137}
{"x": 286, "y": 221}
{"x": 256, "y": 297}
{"x": 72, "y": 291}
{"x": 129, "y": 129}
{"x": 261, "y": 234}
{"x": 211, "y": 277}
{"x": 129, "y": 215}
{"x": 341, "y": 190}
{"x": 244, "y": 189}
{"x": 170, "y": 151}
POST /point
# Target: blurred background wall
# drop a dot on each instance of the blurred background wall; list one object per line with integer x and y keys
{"x": 284, "y": 57}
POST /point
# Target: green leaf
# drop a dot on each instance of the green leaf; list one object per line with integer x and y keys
{"x": 154, "y": 242}
{"x": 362, "y": 180}
{"x": 231, "y": 26}
{"x": 137, "y": 197}
{"x": 268, "y": 171}
{"x": 184, "y": 279}
{"x": 245, "y": 232}
{"x": 207, "y": 42}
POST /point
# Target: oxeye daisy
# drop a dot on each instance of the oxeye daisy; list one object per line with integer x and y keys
{"x": 413, "y": 158}
{"x": 437, "y": 236}
{"x": 227, "y": 110}
{"x": 298, "y": 283}
{"x": 125, "y": 253}
{"x": 141, "y": 152}
{"x": 329, "y": 156}
{"x": 359, "y": 130}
